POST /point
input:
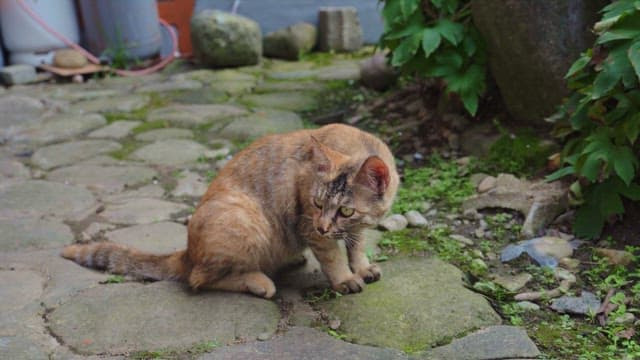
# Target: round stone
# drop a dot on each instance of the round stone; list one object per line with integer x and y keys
{"x": 262, "y": 122}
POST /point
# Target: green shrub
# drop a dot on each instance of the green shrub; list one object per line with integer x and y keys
{"x": 601, "y": 120}
{"x": 436, "y": 38}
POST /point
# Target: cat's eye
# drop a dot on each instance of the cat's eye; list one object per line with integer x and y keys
{"x": 346, "y": 211}
{"x": 317, "y": 203}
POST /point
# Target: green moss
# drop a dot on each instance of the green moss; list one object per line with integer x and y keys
{"x": 440, "y": 181}
{"x": 150, "y": 125}
{"x": 128, "y": 147}
{"x": 189, "y": 353}
{"x": 155, "y": 101}
{"x": 521, "y": 153}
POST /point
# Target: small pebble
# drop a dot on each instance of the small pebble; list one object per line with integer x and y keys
{"x": 416, "y": 219}
{"x": 479, "y": 233}
{"x": 624, "y": 319}
{"x": 463, "y": 240}
{"x": 335, "y": 324}
{"x": 487, "y": 184}
{"x": 432, "y": 213}
{"x": 478, "y": 253}
{"x": 264, "y": 336}
{"x": 528, "y": 306}
{"x": 394, "y": 222}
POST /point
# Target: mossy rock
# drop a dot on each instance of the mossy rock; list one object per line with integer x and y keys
{"x": 419, "y": 303}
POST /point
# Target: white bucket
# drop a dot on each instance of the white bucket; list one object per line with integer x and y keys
{"x": 26, "y": 40}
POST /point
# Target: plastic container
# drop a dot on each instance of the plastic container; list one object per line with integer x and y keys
{"x": 178, "y": 14}
{"x": 25, "y": 40}
{"x": 121, "y": 28}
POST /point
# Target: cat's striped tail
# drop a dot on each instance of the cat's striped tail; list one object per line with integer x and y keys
{"x": 124, "y": 260}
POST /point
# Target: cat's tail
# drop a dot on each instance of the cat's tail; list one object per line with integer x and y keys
{"x": 124, "y": 260}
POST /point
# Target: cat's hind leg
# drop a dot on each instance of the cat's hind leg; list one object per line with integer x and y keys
{"x": 255, "y": 282}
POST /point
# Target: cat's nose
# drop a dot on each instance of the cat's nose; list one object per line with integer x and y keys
{"x": 322, "y": 230}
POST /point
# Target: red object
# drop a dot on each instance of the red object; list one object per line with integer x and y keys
{"x": 178, "y": 14}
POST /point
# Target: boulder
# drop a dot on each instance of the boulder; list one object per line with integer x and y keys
{"x": 531, "y": 46}
{"x": 375, "y": 73}
{"x": 339, "y": 29}
{"x": 291, "y": 42}
{"x": 222, "y": 39}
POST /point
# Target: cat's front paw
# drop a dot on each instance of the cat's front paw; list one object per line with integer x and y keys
{"x": 353, "y": 284}
{"x": 370, "y": 274}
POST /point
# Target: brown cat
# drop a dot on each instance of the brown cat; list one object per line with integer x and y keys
{"x": 272, "y": 200}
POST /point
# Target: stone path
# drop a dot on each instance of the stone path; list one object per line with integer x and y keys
{"x": 125, "y": 160}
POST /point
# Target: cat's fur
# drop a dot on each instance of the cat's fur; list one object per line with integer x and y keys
{"x": 272, "y": 200}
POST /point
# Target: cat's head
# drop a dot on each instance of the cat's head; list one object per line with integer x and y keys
{"x": 347, "y": 193}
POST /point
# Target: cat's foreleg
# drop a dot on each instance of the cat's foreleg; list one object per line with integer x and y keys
{"x": 359, "y": 262}
{"x": 334, "y": 265}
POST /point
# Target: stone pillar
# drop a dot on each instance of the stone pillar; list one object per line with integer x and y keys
{"x": 339, "y": 29}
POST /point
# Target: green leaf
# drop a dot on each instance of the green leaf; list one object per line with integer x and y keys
{"x": 449, "y": 57}
{"x": 580, "y": 117}
{"x": 408, "y": 7}
{"x": 589, "y": 222}
{"x": 578, "y": 65}
{"x": 560, "y": 173}
{"x": 632, "y": 128}
{"x": 605, "y": 80}
{"x": 469, "y": 45}
{"x": 430, "y": 41}
{"x": 469, "y": 80}
{"x": 591, "y": 166}
{"x": 611, "y": 204}
{"x": 406, "y": 50}
{"x": 625, "y": 163}
{"x": 452, "y": 31}
{"x": 470, "y": 101}
{"x": 626, "y": 27}
{"x": 634, "y": 56}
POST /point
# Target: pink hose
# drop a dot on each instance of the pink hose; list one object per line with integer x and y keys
{"x": 95, "y": 60}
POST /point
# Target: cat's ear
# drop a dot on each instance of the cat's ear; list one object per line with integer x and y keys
{"x": 325, "y": 159}
{"x": 319, "y": 156}
{"x": 374, "y": 174}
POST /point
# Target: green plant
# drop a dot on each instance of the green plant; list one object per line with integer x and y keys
{"x": 520, "y": 153}
{"x": 114, "y": 279}
{"x": 441, "y": 180}
{"x": 436, "y": 38}
{"x": 601, "y": 120}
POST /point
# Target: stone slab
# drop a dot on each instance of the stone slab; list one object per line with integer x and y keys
{"x": 141, "y": 211}
{"x": 405, "y": 300}
{"x": 190, "y": 184}
{"x": 58, "y": 128}
{"x": 194, "y": 115}
{"x": 33, "y": 233}
{"x": 53, "y": 156}
{"x": 158, "y": 238}
{"x": 119, "y": 104}
{"x": 171, "y": 152}
{"x": 103, "y": 179}
{"x": 115, "y": 130}
{"x": 19, "y": 111}
{"x": 175, "y": 85}
{"x": 494, "y": 342}
{"x": 13, "y": 169}
{"x": 303, "y": 343}
{"x": 292, "y": 101}
{"x": 38, "y": 198}
{"x": 260, "y": 123}
{"x": 164, "y": 134}
{"x": 122, "y": 318}
{"x": 18, "y": 289}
